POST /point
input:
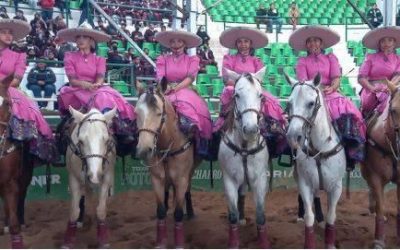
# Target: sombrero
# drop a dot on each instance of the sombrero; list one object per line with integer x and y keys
{"x": 69, "y": 35}
{"x": 372, "y": 38}
{"x": 299, "y": 37}
{"x": 19, "y": 29}
{"x": 229, "y": 37}
{"x": 191, "y": 40}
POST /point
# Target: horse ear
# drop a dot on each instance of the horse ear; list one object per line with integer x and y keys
{"x": 78, "y": 116}
{"x": 391, "y": 86}
{"x": 289, "y": 79}
{"x": 140, "y": 88}
{"x": 110, "y": 115}
{"x": 260, "y": 74}
{"x": 317, "y": 79}
{"x": 163, "y": 85}
{"x": 232, "y": 75}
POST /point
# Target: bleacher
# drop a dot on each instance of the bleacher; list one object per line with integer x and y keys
{"x": 327, "y": 12}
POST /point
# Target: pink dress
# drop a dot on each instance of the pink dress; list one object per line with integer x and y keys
{"x": 26, "y": 122}
{"x": 339, "y": 106}
{"x": 88, "y": 68}
{"x": 186, "y": 101}
{"x": 272, "y": 110}
{"x": 378, "y": 67}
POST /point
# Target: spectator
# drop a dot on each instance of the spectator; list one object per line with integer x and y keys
{"x": 206, "y": 57}
{"x": 101, "y": 26}
{"x": 62, "y": 5}
{"x": 20, "y": 16}
{"x": 261, "y": 16}
{"x": 42, "y": 78}
{"x": 51, "y": 54}
{"x": 294, "y": 14}
{"x": 149, "y": 34}
{"x": 16, "y": 2}
{"x": 137, "y": 36}
{"x": 47, "y": 9}
{"x": 374, "y": 16}
{"x": 85, "y": 15}
{"x": 128, "y": 56}
{"x": 139, "y": 71}
{"x": 273, "y": 18}
{"x": 38, "y": 19}
{"x": 113, "y": 55}
{"x": 148, "y": 69}
{"x": 3, "y": 13}
{"x": 65, "y": 47}
{"x": 164, "y": 50}
{"x": 32, "y": 52}
{"x": 202, "y": 33}
{"x": 59, "y": 24}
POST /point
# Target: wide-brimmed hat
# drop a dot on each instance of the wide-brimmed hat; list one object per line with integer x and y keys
{"x": 191, "y": 40}
{"x": 372, "y": 38}
{"x": 229, "y": 37}
{"x": 69, "y": 35}
{"x": 299, "y": 37}
{"x": 19, "y": 29}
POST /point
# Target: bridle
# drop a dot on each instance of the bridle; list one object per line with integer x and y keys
{"x": 242, "y": 150}
{"x": 309, "y": 123}
{"x": 76, "y": 147}
{"x": 163, "y": 153}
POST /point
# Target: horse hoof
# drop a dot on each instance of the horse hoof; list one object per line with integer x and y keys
{"x": 330, "y": 246}
{"x": 6, "y": 230}
{"x": 379, "y": 244}
{"x": 104, "y": 246}
{"x": 161, "y": 246}
{"x": 242, "y": 222}
{"x": 321, "y": 224}
{"x": 300, "y": 220}
{"x": 190, "y": 216}
{"x": 79, "y": 224}
{"x": 17, "y": 242}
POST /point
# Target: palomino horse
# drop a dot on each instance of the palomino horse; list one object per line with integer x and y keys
{"x": 382, "y": 158}
{"x": 10, "y": 167}
{"x": 90, "y": 160}
{"x": 169, "y": 155}
{"x": 243, "y": 154}
{"x": 320, "y": 157}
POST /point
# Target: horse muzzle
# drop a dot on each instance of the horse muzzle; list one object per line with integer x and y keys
{"x": 295, "y": 139}
{"x": 144, "y": 153}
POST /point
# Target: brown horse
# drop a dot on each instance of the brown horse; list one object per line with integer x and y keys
{"x": 381, "y": 165}
{"x": 10, "y": 167}
{"x": 169, "y": 155}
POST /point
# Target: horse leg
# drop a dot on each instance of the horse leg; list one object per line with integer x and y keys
{"x": 102, "y": 229}
{"x": 24, "y": 182}
{"x": 231, "y": 192}
{"x": 372, "y": 202}
{"x": 259, "y": 188}
{"x": 181, "y": 185}
{"x": 158, "y": 181}
{"x": 11, "y": 202}
{"x": 378, "y": 194}
{"x": 241, "y": 202}
{"x": 330, "y": 229}
{"x": 70, "y": 233}
{"x": 6, "y": 220}
{"x": 189, "y": 205}
{"x": 319, "y": 214}
{"x": 81, "y": 216}
{"x": 300, "y": 210}
{"x": 308, "y": 196}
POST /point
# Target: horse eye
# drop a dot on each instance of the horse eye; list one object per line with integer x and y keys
{"x": 310, "y": 104}
{"x": 159, "y": 114}
{"x": 237, "y": 96}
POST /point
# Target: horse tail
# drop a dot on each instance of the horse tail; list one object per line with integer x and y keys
{"x": 271, "y": 173}
{"x": 348, "y": 185}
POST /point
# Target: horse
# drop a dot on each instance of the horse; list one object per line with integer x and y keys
{"x": 168, "y": 153}
{"x": 243, "y": 155}
{"x": 90, "y": 161}
{"x": 11, "y": 168}
{"x": 319, "y": 154}
{"x": 381, "y": 163}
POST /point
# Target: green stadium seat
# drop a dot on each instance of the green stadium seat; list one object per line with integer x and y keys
{"x": 285, "y": 90}
{"x": 102, "y": 51}
{"x": 313, "y": 21}
{"x": 323, "y": 21}
{"x": 149, "y": 46}
{"x": 347, "y": 90}
{"x": 271, "y": 89}
{"x": 121, "y": 87}
{"x": 74, "y": 4}
{"x": 203, "y": 79}
{"x": 218, "y": 18}
{"x": 211, "y": 70}
{"x": 217, "y": 90}
{"x": 345, "y": 80}
{"x": 229, "y": 19}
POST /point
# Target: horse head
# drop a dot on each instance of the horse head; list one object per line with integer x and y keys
{"x": 151, "y": 110}
{"x": 303, "y": 106}
{"x": 93, "y": 141}
{"x": 247, "y": 103}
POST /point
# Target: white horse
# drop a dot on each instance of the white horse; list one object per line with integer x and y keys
{"x": 243, "y": 154}
{"x": 90, "y": 160}
{"x": 320, "y": 157}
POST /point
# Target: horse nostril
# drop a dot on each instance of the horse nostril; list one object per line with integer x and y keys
{"x": 299, "y": 138}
